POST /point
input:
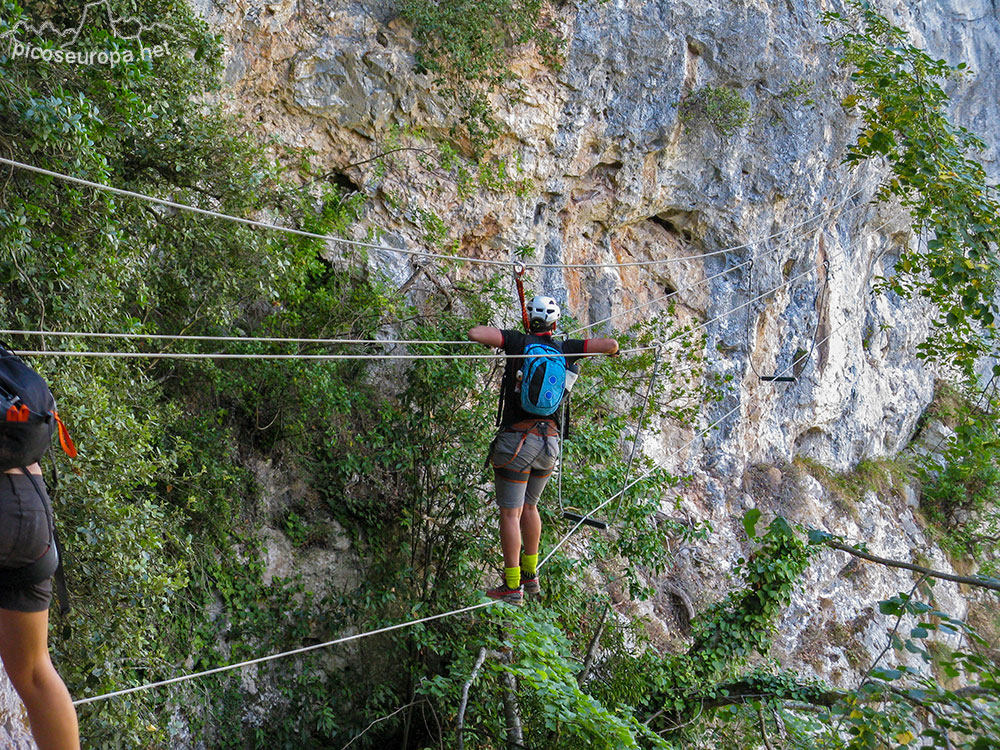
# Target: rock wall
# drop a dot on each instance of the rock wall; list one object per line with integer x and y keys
{"x": 14, "y": 733}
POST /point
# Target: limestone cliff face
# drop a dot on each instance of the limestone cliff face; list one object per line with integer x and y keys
{"x": 13, "y": 720}
{"x": 617, "y": 173}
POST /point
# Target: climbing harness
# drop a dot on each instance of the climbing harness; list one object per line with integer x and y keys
{"x": 818, "y": 302}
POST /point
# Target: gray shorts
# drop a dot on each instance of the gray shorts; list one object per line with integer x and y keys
{"x": 522, "y": 464}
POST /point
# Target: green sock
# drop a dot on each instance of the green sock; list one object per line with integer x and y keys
{"x": 513, "y": 577}
{"x": 529, "y": 563}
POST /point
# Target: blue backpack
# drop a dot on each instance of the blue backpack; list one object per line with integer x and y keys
{"x": 543, "y": 378}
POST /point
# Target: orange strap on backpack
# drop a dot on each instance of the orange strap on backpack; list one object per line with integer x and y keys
{"x": 64, "y": 439}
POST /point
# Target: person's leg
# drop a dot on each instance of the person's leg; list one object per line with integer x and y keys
{"x": 531, "y": 522}
{"x": 510, "y": 535}
{"x": 512, "y": 458}
{"x": 531, "y": 530}
{"x": 510, "y": 499}
{"x": 25, "y": 653}
{"x": 541, "y": 469}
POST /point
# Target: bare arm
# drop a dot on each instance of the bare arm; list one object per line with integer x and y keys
{"x": 487, "y": 336}
{"x": 602, "y": 346}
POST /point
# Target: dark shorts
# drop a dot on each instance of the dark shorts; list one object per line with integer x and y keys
{"x": 25, "y": 536}
{"x": 522, "y": 464}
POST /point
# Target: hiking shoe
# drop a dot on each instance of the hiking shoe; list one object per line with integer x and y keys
{"x": 530, "y": 583}
{"x": 504, "y": 593}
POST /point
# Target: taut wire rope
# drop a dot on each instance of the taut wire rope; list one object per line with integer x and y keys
{"x": 349, "y": 341}
{"x": 234, "y": 339}
{"x": 387, "y": 629}
{"x": 653, "y": 301}
{"x": 386, "y": 248}
{"x": 345, "y": 639}
{"x": 820, "y": 298}
{"x": 308, "y": 357}
{"x": 462, "y": 610}
{"x": 562, "y": 446}
{"x": 688, "y": 288}
{"x": 272, "y": 657}
{"x": 717, "y": 318}
{"x": 681, "y": 334}
{"x": 321, "y": 357}
{"x": 638, "y": 428}
{"x": 331, "y": 341}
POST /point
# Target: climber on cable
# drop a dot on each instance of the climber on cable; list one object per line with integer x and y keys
{"x": 525, "y": 450}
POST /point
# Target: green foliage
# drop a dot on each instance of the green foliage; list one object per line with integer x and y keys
{"x": 468, "y": 46}
{"x": 158, "y": 507}
{"x": 720, "y": 107}
{"x": 913, "y": 706}
{"x": 728, "y": 632}
{"x": 960, "y": 478}
{"x": 900, "y": 96}
{"x": 798, "y": 90}
{"x": 636, "y": 697}
{"x": 567, "y": 716}
{"x": 901, "y": 99}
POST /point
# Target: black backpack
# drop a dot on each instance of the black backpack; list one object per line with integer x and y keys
{"x": 28, "y": 416}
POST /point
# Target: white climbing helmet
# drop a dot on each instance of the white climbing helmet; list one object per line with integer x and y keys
{"x": 543, "y": 313}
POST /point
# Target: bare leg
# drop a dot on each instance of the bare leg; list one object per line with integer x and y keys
{"x": 510, "y": 536}
{"x": 25, "y": 652}
{"x": 531, "y": 529}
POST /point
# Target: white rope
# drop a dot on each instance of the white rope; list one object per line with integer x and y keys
{"x": 272, "y": 657}
{"x": 841, "y": 252}
{"x": 321, "y": 357}
{"x": 654, "y": 300}
{"x": 239, "y": 339}
{"x": 332, "y": 341}
{"x": 638, "y": 427}
{"x": 308, "y": 357}
{"x": 399, "y": 626}
{"x": 717, "y": 318}
{"x": 386, "y": 248}
{"x": 320, "y": 341}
